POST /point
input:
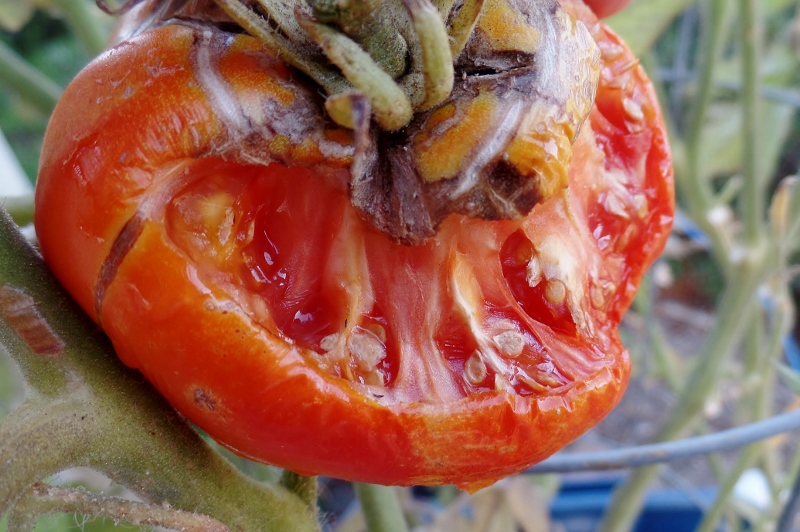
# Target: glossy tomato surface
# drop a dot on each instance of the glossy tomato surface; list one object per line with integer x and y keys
{"x": 606, "y": 8}
{"x": 199, "y": 212}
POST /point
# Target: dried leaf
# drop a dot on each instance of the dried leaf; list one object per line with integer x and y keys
{"x": 785, "y": 215}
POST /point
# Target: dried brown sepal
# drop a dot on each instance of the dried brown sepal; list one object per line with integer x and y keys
{"x": 501, "y": 143}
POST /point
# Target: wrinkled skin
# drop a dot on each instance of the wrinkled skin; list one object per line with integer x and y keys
{"x": 195, "y": 201}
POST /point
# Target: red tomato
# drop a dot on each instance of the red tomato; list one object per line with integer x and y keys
{"x": 606, "y": 8}
{"x": 258, "y": 300}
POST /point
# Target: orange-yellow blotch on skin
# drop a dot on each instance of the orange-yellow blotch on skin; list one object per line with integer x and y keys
{"x": 508, "y": 29}
{"x": 243, "y": 64}
{"x": 439, "y": 154}
{"x": 340, "y": 135}
{"x": 544, "y": 156}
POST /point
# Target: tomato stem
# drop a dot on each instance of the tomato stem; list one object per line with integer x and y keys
{"x": 699, "y": 195}
{"x": 381, "y": 508}
{"x": 753, "y": 194}
{"x": 44, "y": 499}
{"x": 86, "y": 409}
{"x": 372, "y": 27}
{"x": 735, "y": 312}
{"x": 763, "y": 372}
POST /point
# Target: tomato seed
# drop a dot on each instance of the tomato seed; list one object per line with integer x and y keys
{"x": 597, "y": 297}
{"x": 366, "y": 348}
{"x": 475, "y": 369}
{"x": 555, "y": 292}
{"x": 510, "y": 343}
{"x": 329, "y": 342}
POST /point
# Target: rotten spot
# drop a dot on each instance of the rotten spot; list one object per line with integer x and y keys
{"x": 119, "y": 250}
{"x": 19, "y": 310}
{"x": 205, "y": 400}
{"x": 500, "y": 143}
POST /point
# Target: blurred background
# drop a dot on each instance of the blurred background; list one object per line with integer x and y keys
{"x": 732, "y": 107}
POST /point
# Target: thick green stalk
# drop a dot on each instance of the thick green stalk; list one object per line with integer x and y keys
{"x": 692, "y": 183}
{"x": 752, "y": 208}
{"x": 44, "y": 499}
{"x": 32, "y": 85}
{"x": 746, "y": 459}
{"x": 381, "y": 508}
{"x": 86, "y": 409}
{"x": 303, "y": 486}
{"x": 33, "y": 446}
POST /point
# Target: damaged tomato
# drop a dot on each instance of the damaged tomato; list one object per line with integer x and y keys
{"x": 433, "y": 304}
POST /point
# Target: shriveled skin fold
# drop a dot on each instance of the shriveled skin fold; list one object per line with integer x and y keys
{"x": 194, "y": 200}
{"x": 502, "y": 142}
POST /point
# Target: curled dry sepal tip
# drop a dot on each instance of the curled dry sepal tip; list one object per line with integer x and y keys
{"x": 326, "y": 282}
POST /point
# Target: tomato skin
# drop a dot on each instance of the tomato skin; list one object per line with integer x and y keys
{"x": 133, "y": 112}
{"x": 606, "y": 8}
{"x": 125, "y": 140}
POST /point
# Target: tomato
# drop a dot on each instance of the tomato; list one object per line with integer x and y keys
{"x": 606, "y": 8}
{"x": 194, "y": 200}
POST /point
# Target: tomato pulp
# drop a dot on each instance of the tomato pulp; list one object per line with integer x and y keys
{"x": 262, "y": 304}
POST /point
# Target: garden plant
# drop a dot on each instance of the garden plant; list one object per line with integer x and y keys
{"x": 713, "y": 326}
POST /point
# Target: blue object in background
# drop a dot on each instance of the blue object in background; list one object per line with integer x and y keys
{"x": 792, "y": 350}
{"x": 580, "y": 505}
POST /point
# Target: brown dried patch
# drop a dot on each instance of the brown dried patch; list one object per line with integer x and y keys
{"x": 205, "y": 399}
{"x": 19, "y": 310}
{"x": 501, "y": 143}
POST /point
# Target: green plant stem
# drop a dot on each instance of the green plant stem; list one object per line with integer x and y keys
{"x": 746, "y": 459}
{"x": 734, "y": 312}
{"x": 753, "y": 194}
{"x": 698, "y": 196}
{"x": 89, "y": 410}
{"x": 763, "y": 370}
{"x": 78, "y": 14}
{"x": 29, "y": 448}
{"x": 31, "y": 84}
{"x": 43, "y": 499}
{"x": 381, "y": 508}
{"x": 303, "y": 486}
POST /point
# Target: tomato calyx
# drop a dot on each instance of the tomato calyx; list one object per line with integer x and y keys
{"x": 490, "y": 145}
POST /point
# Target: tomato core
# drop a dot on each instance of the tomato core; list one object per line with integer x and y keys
{"x": 289, "y": 248}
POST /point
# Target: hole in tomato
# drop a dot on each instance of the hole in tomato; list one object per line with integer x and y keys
{"x": 542, "y": 299}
